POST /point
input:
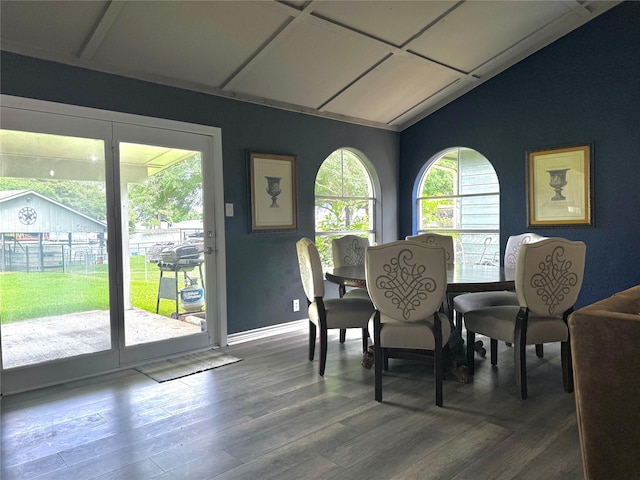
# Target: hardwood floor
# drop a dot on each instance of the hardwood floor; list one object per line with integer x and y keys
{"x": 271, "y": 416}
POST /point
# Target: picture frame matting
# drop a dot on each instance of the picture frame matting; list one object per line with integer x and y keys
{"x": 273, "y": 190}
{"x": 560, "y": 186}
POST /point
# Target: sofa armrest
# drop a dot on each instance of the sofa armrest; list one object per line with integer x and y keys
{"x": 605, "y": 349}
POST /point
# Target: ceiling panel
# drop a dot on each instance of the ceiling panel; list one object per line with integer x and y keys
{"x": 202, "y": 42}
{"x": 392, "y": 21}
{"x": 393, "y": 88}
{"x": 373, "y": 62}
{"x": 310, "y": 64}
{"x": 51, "y": 26}
{"x": 477, "y": 31}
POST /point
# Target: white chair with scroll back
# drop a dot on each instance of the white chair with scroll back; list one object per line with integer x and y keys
{"x": 339, "y": 313}
{"x": 445, "y": 241}
{"x": 407, "y": 282}
{"x": 548, "y": 280}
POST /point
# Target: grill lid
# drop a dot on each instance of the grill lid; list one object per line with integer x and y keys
{"x": 180, "y": 252}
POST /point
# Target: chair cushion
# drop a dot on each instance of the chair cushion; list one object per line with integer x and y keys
{"x": 412, "y": 335}
{"x": 357, "y": 293}
{"x": 499, "y": 323}
{"x": 344, "y": 312}
{"x": 473, "y": 301}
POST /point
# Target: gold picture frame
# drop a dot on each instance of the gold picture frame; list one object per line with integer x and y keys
{"x": 273, "y": 187}
{"x": 559, "y": 186}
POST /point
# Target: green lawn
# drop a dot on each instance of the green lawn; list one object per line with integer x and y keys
{"x": 42, "y": 294}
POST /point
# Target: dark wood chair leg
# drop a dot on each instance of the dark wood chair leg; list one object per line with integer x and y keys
{"x": 539, "y": 350}
{"x": 567, "y": 366}
{"x": 323, "y": 351}
{"x": 438, "y": 360}
{"x": 341, "y": 290}
{"x": 385, "y": 360}
{"x": 521, "y": 367}
{"x": 312, "y": 340}
{"x": 365, "y": 340}
{"x": 378, "y": 354}
{"x": 471, "y": 350}
{"x": 439, "y": 371}
{"x": 494, "y": 352}
{"x": 519, "y": 351}
{"x": 343, "y": 335}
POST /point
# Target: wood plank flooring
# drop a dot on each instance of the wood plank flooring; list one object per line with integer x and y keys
{"x": 271, "y": 416}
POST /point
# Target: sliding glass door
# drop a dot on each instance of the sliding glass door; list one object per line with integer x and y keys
{"x": 54, "y": 284}
{"x": 163, "y": 242}
{"x": 107, "y": 245}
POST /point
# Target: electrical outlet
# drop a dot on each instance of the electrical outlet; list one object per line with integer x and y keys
{"x": 296, "y": 305}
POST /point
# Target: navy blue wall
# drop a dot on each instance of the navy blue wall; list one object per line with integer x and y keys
{"x": 262, "y": 270}
{"x": 584, "y": 87}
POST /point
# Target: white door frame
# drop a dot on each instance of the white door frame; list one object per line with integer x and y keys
{"x": 213, "y": 191}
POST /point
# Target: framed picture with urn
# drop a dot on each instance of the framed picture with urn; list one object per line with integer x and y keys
{"x": 273, "y": 186}
{"x": 560, "y": 186}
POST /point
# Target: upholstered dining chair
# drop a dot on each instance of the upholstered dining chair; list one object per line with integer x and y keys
{"x": 472, "y": 301}
{"x": 548, "y": 280}
{"x": 349, "y": 251}
{"x": 446, "y": 241}
{"x": 330, "y": 313}
{"x": 407, "y": 282}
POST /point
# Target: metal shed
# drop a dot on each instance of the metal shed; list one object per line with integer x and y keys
{"x": 37, "y": 233}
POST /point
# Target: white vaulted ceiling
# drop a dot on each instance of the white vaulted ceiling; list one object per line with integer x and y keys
{"x": 381, "y": 63}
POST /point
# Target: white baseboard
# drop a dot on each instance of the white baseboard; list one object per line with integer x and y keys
{"x": 269, "y": 331}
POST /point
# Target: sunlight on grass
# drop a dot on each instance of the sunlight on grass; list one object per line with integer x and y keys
{"x": 26, "y": 295}
{"x": 42, "y": 294}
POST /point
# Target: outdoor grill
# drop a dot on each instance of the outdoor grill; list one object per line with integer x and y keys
{"x": 176, "y": 259}
{"x": 179, "y": 256}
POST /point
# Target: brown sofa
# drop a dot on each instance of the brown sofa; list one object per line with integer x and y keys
{"x": 605, "y": 348}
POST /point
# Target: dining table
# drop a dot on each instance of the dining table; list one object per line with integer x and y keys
{"x": 461, "y": 278}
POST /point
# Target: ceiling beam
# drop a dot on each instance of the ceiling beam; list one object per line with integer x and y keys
{"x": 278, "y": 37}
{"x": 101, "y": 29}
{"x": 393, "y": 50}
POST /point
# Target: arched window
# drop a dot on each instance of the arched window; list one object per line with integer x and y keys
{"x": 345, "y": 201}
{"x": 458, "y": 194}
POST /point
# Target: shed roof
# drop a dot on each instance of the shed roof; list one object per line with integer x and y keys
{"x": 51, "y": 216}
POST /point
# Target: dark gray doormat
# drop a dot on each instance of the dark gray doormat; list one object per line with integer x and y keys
{"x": 170, "y": 369}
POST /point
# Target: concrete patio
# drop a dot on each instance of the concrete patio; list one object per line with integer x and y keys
{"x": 42, "y": 339}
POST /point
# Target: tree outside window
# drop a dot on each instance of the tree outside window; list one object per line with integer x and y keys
{"x": 344, "y": 201}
